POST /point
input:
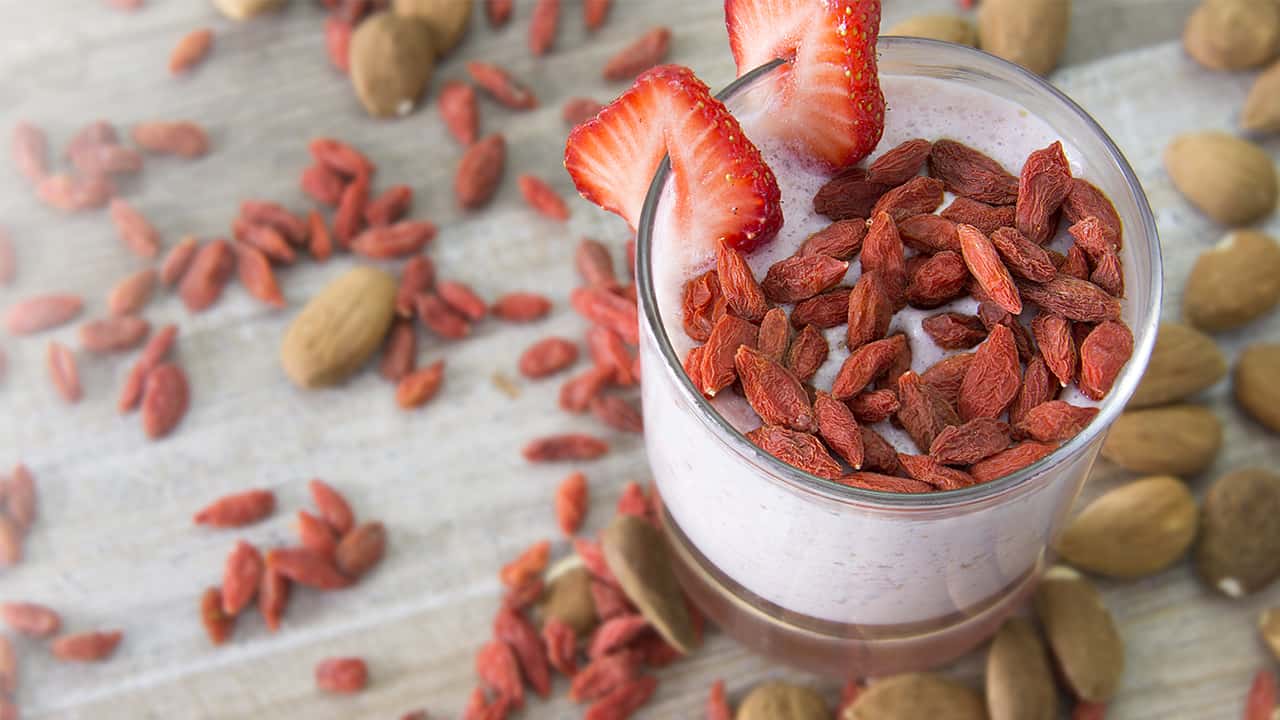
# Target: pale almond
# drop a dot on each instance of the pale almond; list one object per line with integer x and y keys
{"x": 1031, "y": 33}
{"x": 947, "y": 28}
{"x": 340, "y": 328}
{"x": 1233, "y": 283}
{"x": 1183, "y": 362}
{"x": 1180, "y": 440}
{"x": 1231, "y": 180}
{"x": 1233, "y": 34}
{"x": 913, "y": 696}
{"x": 1257, "y": 383}
{"x": 1137, "y": 529}
{"x": 1081, "y": 634}
{"x": 1261, "y": 112}
{"x": 1020, "y": 682}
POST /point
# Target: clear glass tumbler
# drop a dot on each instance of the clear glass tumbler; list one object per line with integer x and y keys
{"x": 851, "y": 582}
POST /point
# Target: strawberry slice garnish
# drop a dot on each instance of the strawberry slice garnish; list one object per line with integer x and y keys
{"x": 828, "y": 98}
{"x": 723, "y": 187}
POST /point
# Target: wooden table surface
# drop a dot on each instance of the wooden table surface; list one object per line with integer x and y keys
{"x": 114, "y": 545}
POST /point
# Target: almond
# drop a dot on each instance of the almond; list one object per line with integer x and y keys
{"x": 246, "y": 9}
{"x": 340, "y": 328}
{"x": 1031, "y": 33}
{"x": 1233, "y": 283}
{"x": 776, "y": 700}
{"x": 1020, "y": 682}
{"x": 1179, "y": 440}
{"x": 1261, "y": 112}
{"x": 1137, "y": 529}
{"x": 1183, "y": 362}
{"x": 1269, "y": 628}
{"x": 447, "y": 19}
{"x": 916, "y": 695}
{"x": 1239, "y": 547}
{"x": 637, "y": 554}
{"x": 569, "y": 600}
{"x": 1233, "y": 34}
{"x": 947, "y": 28}
{"x": 1081, "y": 633}
{"x": 1257, "y": 383}
{"x": 1231, "y": 180}
{"x": 391, "y": 63}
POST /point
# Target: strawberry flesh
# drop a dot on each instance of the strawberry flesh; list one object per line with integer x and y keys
{"x": 828, "y": 97}
{"x": 723, "y": 188}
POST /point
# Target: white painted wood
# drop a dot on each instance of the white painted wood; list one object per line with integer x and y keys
{"x": 114, "y": 545}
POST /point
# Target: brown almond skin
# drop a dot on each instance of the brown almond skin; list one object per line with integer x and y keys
{"x": 340, "y": 328}
{"x": 947, "y": 28}
{"x": 447, "y": 19}
{"x": 1134, "y": 530}
{"x": 637, "y": 554}
{"x": 568, "y": 597}
{"x": 1257, "y": 383}
{"x": 1233, "y": 283}
{"x": 1031, "y": 33}
{"x": 1261, "y": 113}
{"x": 1183, "y": 362}
{"x": 782, "y": 701}
{"x": 391, "y": 63}
{"x": 1180, "y": 440}
{"x": 1020, "y": 682}
{"x": 1081, "y": 633}
{"x": 914, "y": 696}
{"x": 1231, "y": 180}
{"x": 1238, "y": 551}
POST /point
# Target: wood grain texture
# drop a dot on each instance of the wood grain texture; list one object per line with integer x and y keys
{"x": 114, "y": 545}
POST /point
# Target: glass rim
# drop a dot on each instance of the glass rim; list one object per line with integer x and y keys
{"x": 779, "y": 471}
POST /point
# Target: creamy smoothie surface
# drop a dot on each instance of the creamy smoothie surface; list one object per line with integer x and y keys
{"x": 917, "y": 107}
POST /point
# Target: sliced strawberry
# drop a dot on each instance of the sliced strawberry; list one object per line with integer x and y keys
{"x": 723, "y": 187}
{"x": 828, "y": 99}
{"x": 761, "y": 31}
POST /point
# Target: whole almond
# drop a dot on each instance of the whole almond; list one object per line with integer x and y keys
{"x": 391, "y": 63}
{"x": 568, "y": 598}
{"x": 1020, "y": 682}
{"x": 1231, "y": 180}
{"x": 447, "y": 19}
{"x": 1238, "y": 551}
{"x": 1233, "y": 34}
{"x": 1135, "y": 530}
{"x": 1269, "y": 628}
{"x": 1031, "y": 33}
{"x": 913, "y": 696}
{"x": 947, "y": 28}
{"x": 1234, "y": 282}
{"x": 340, "y": 328}
{"x": 246, "y": 9}
{"x": 1179, "y": 440}
{"x": 1081, "y": 633}
{"x": 1183, "y": 362}
{"x": 779, "y": 701}
{"x": 1261, "y": 112}
{"x": 480, "y": 171}
{"x": 1257, "y": 383}
{"x": 637, "y": 554}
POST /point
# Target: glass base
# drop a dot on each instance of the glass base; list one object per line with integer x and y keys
{"x": 837, "y": 650}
